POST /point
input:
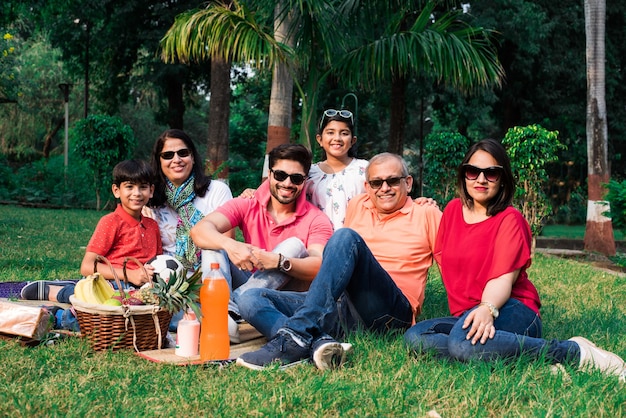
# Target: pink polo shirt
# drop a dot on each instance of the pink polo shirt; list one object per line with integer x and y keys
{"x": 403, "y": 242}
{"x": 308, "y": 223}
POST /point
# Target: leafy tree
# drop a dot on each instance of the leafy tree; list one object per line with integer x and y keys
{"x": 531, "y": 148}
{"x": 102, "y": 141}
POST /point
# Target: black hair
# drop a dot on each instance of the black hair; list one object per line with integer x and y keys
{"x": 325, "y": 120}
{"x": 201, "y": 181}
{"x": 134, "y": 171}
{"x": 294, "y": 152}
{"x": 506, "y": 192}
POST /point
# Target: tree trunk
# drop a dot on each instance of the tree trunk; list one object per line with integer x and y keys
{"x": 279, "y": 122}
{"x": 599, "y": 229}
{"x": 175, "y": 103}
{"x": 219, "y": 115}
{"x": 47, "y": 143}
{"x": 397, "y": 116}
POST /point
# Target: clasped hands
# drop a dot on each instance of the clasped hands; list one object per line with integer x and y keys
{"x": 248, "y": 257}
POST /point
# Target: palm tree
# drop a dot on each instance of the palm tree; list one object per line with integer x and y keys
{"x": 327, "y": 37}
{"x": 410, "y": 39}
{"x": 599, "y": 229}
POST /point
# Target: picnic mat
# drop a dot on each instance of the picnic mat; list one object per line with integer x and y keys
{"x": 251, "y": 340}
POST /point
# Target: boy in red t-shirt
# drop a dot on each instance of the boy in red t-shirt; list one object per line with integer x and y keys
{"x": 120, "y": 234}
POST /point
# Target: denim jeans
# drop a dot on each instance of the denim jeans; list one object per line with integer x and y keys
{"x": 518, "y": 331}
{"x": 350, "y": 275}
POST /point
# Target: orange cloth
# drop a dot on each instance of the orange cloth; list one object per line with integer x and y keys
{"x": 402, "y": 242}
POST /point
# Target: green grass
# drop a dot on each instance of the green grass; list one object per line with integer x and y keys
{"x": 380, "y": 379}
{"x": 572, "y": 232}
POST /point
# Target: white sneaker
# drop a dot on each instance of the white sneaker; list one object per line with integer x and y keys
{"x": 328, "y": 354}
{"x": 593, "y": 357}
{"x": 233, "y": 331}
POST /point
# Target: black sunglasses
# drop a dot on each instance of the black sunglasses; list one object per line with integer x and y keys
{"x": 391, "y": 182}
{"x": 329, "y": 113}
{"x": 492, "y": 174}
{"x": 182, "y": 153}
{"x": 296, "y": 179}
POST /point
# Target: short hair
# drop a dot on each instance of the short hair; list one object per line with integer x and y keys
{"x": 384, "y": 156}
{"x": 134, "y": 171}
{"x": 294, "y": 152}
{"x": 506, "y": 192}
{"x": 201, "y": 180}
{"x": 325, "y": 120}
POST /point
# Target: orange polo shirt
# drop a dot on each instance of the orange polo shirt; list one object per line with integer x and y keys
{"x": 403, "y": 242}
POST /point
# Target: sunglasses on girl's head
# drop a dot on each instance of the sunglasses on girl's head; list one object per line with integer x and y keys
{"x": 182, "y": 153}
{"x": 492, "y": 174}
{"x": 296, "y": 179}
{"x": 391, "y": 182}
{"x": 329, "y": 113}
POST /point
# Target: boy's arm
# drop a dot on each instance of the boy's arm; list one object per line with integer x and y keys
{"x": 137, "y": 277}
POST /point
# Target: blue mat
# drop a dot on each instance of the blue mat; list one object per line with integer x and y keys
{"x": 12, "y": 289}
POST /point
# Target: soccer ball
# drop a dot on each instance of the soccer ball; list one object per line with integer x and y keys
{"x": 164, "y": 265}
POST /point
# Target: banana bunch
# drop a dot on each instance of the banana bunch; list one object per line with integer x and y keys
{"x": 93, "y": 289}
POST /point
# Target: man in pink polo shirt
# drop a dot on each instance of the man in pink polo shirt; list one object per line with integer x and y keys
{"x": 372, "y": 276}
{"x": 284, "y": 234}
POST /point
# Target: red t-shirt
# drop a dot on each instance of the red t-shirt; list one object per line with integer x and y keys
{"x": 469, "y": 255}
{"x": 118, "y": 235}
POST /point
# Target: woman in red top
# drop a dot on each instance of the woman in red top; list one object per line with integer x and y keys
{"x": 483, "y": 251}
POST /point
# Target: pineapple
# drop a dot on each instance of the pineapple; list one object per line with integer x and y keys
{"x": 179, "y": 292}
{"x": 146, "y": 296}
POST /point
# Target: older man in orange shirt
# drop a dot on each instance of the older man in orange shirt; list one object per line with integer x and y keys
{"x": 373, "y": 275}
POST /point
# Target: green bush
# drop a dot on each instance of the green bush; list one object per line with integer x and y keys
{"x": 617, "y": 200}
{"x": 443, "y": 152}
{"x": 531, "y": 148}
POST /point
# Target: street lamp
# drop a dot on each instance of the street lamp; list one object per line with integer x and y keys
{"x": 65, "y": 88}
{"x": 87, "y": 26}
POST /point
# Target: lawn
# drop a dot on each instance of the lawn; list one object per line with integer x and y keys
{"x": 381, "y": 377}
{"x": 572, "y": 232}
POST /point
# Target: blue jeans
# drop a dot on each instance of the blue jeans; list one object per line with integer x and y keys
{"x": 518, "y": 331}
{"x": 351, "y": 289}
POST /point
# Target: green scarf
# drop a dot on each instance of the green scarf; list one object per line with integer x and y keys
{"x": 181, "y": 199}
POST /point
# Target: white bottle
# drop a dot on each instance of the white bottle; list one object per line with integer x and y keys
{"x": 187, "y": 335}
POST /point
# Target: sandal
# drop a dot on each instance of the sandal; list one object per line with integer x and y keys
{"x": 39, "y": 290}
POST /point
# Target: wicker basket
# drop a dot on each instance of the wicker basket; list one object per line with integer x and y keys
{"x": 142, "y": 327}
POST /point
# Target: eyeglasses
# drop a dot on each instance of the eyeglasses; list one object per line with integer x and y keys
{"x": 391, "y": 182}
{"x": 492, "y": 174}
{"x": 182, "y": 153}
{"x": 329, "y": 113}
{"x": 296, "y": 179}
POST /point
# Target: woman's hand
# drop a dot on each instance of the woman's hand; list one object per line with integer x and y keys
{"x": 248, "y": 193}
{"x": 481, "y": 322}
{"x": 426, "y": 201}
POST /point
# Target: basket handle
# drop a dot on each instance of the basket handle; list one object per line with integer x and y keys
{"x": 140, "y": 264}
{"x": 103, "y": 259}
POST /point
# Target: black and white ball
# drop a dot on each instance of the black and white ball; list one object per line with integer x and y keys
{"x": 164, "y": 265}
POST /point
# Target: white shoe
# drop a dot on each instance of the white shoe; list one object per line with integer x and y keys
{"x": 593, "y": 357}
{"x": 328, "y": 354}
{"x": 233, "y": 331}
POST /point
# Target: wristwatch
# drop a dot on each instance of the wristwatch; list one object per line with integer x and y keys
{"x": 495, "y": 312}
{"x": 284, "y": 264}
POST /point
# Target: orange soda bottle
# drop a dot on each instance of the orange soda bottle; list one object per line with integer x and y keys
{"x": 214, "y": 296}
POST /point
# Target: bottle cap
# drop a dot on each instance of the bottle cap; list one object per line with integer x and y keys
{"x": 215, "y": 266}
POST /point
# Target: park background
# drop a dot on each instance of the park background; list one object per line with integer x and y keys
{"x": 121, "y": 92}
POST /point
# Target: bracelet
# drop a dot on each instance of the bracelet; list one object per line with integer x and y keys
{"x": 280, "y": 260}
{"x": 495, "y": 312}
